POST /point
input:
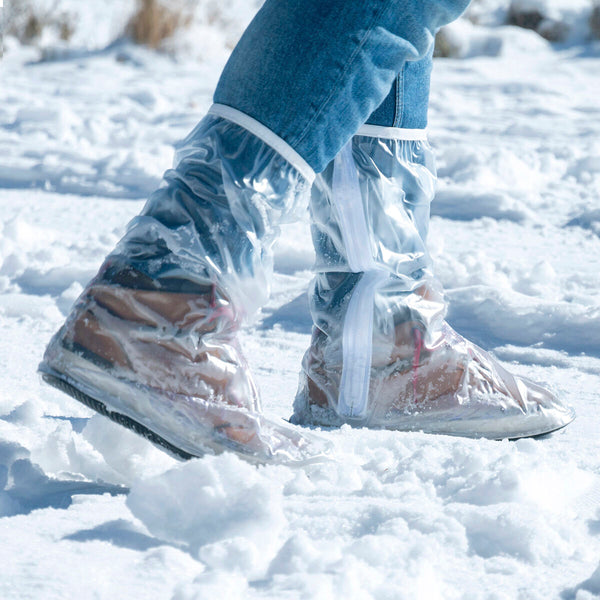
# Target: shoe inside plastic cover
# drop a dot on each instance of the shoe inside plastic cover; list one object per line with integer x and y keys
{"x": 382, "y": 354}
{"x": 152, "y": 341}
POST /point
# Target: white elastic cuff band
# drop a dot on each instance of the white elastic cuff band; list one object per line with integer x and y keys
{"x": 392, "y": 133}
{"x": 266, "y": 135}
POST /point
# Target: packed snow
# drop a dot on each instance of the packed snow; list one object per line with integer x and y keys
{"x": 90, "y": 510}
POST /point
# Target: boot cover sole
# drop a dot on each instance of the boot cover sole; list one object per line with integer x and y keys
{"x": 510, "y": 429}
{"x": 183, "y": 427}
{"x": 64, "y": 386}
{"x": 472, "y": 423}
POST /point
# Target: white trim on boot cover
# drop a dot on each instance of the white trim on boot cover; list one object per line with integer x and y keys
{"x": 266, "y": 135}
{"x": 392, "y": 133}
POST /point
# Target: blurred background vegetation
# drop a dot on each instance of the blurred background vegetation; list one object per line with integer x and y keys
{"x": 162, "y": 24}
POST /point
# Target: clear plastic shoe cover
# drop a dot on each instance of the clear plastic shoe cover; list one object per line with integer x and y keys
{"x": 382, "y": 354}
{"x": 152, "y": 339}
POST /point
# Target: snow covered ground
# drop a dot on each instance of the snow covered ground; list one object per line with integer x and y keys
{"x": 88, "y": 510}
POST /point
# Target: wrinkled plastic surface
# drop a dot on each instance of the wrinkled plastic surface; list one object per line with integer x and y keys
{"x": 153, "y": 336}
{"x": 382, "y": 354}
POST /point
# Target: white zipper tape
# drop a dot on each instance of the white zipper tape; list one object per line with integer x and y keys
{"x": 347, "y": 199}
{"x": 357, "y": 346}
{"x": 357, "y": 337}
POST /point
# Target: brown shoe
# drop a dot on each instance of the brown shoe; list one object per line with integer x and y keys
{"x": 152, "y": 341}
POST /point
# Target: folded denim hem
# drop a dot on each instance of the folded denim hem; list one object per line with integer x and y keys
{"x": 266, "y": 135}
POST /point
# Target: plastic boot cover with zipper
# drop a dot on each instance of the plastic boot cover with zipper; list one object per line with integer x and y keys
{"x": 152, "y": 340}
{"x": 382, "y": 354}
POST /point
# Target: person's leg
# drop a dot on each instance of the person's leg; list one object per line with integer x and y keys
{"x": 382, "y": 354}
{"x": 152, "y": 341}
{"x": 313, "y": 72}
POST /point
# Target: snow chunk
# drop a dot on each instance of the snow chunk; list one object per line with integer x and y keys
{"x": 504, "y": 317}
{"x": 462, "y": 39}
{"x": 592, "y": 584}
{"x": 25, "y": 487}
{"x": 226, "y": 511}
{"x": 589, "y": 219}
{"x": 464, "y": 204}
{"x": 214, "y": 584}
{"x": 124, "y": 452}
{"x": 66, "y": 300}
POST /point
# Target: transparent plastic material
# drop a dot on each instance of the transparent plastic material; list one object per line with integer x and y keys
{"x": 382, "y": 354}
{"x": 154, "y": 336}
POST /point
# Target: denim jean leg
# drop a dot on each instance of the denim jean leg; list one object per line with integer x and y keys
{"x": 312, "y": 72}
{"x": 406, "y": 104}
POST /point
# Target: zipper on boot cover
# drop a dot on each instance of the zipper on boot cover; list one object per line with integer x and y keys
{"x": 357, "y": 339}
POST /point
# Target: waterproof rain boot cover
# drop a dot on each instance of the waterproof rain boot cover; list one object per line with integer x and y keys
{"x": 152, "y": 340}
{"x": 382, "y": 354}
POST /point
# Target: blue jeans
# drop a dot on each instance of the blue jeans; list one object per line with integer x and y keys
{"x": 314, "y": 71}
{"x": 406, "y": 104}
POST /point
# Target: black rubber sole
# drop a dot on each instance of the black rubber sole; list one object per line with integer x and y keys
{"x": 119, "y": 418}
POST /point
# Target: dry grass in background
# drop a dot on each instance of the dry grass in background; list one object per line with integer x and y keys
{"x": 155, "y": 21}
{"x": 27, "y": 22}
{"x": 595, "y": 21}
